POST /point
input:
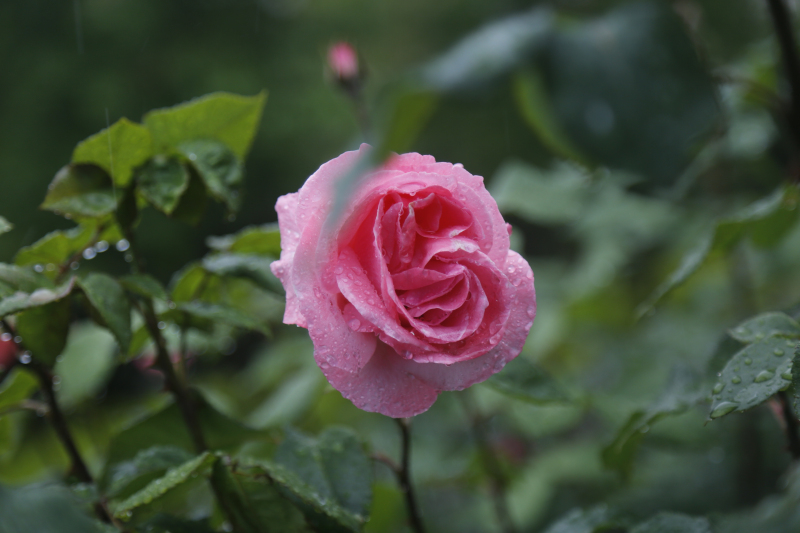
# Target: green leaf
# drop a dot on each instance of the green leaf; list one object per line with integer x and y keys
{"x": 128, "y": 477}
{"x": 254, "y": 240}
{"x": 56, "y": 247}
{"x": 295, "y": 395}
{"x": 44, "y": 330}
{"x": 795, "y": 388}
{"x": 673, "y": 523}
{"x": 410, "y": 112}
{"x": 253, "y": 503}
{"x": 334, "y": 464}
{"x": 211, "y": 313}
{"x": 164, "y": 523}
{"x": 192, "y": 205}
{"x": 527, "y": 381}
{"x": 108, "y": 300}
{"x": 585, "y": 521}
{"x": 761, "y": 217}
{"x": 163, "y": 181}
{"x": 174, "y": 477}
{"x": 220, "y": 169}
{"x": 766, "y": 325}
{"x": 18, "y": 386}
{"x": 167, "y": 428}
{"x": 117, "y": 150}
{"x": 681, "y": 393}
{"x": 194, "y": 282}
{"x": 144, "y": 285}
{"x": 81, "y": 191}
{"x": 86, "y": 364}
{"x": 228, "y": 118}
{"x": 23, "y": 279}
{"x": 252, "y": 267}
{"x": 141, "y": 338}
{"x": 21, "y": 301}
{"x": 43, "y": 509}
{"x": 5, "y": 226}
{"x": 753, "y": 375}
{"x": 557, "y": 196}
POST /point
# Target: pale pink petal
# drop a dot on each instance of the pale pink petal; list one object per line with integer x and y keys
{"x": 383, "y": 385}
{"x": 290, "y": 235}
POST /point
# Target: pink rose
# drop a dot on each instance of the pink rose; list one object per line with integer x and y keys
{"x": 343, "y": 61}
{"x": 411, "y": 288}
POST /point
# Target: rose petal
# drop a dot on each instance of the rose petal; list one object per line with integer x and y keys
{"x": 383, "y": 385}
{"x": 290, "y": 235}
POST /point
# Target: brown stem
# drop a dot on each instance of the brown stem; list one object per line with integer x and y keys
{"x": 404, "y": 476}
{"x": 792, "y": 426}
{"x": 782, "y": 20}
{"x": 497, "y": 480}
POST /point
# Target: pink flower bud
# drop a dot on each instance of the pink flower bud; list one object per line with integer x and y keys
{"x": 343, "y": 61}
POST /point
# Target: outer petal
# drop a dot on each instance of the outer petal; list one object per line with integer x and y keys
{"x": 383, "y": 386}
{"x": 463, "y": 374}
{"x": 290, "y": 235}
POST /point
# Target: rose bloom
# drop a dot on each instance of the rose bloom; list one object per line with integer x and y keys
{"x": 409, "y": 288}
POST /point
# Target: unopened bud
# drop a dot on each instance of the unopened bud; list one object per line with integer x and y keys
{"x": 343, "y": 61}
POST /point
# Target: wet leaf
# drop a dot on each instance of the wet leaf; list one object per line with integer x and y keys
{"x": 86, "y": 364}
{"x": 23, "y": 279}
{"x": 584, "y": 521}
{"x": 58, "y": 246}
{"x": 524, "y": 380}
{"x": 255, "y": 240}
{"x": 766, "y": 325}
{"x": 18, "y": 386}
{"x": 674, "y": 523}
{"x": 110, "y": 303}
{"x": 20, "y": 301}
{"x": 81, "y": 191}
{"x": 127, "y": 477}
{"x": 5, "y": 226}
{"x": 144, "y": 285}
{"x": 203, "y": 315}
{"x": 192, "y": 204}
{"x": 220, "y": 169}
{"x": 252, "y": 267}
{"x": 753, "y": 375}
{"x": 44, "y": 330}
{"x": 43, "y": 509}
{"x": 163, "y": 181}
{"x": 224, "y": 117}
{"x": 117, "y": 150}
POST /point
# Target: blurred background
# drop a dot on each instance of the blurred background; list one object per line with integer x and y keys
{"x": 613, "y": 134}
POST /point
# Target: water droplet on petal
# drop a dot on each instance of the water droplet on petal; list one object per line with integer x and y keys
{"x": 338, "y": 270}
{"x": 531, "y": 311}
{"x": 354, "y": 324}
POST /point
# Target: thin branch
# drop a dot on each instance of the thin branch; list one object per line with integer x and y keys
{"x": 497, "y": 480}
{"x": 404, "y": 476}
{"x": 782, "y": 20}
{"x": 388, "y": 461}
{"x": 792, "y": 426}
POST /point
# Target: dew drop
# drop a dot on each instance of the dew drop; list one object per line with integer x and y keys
{"x": 531, "y": 311}
{"x": 512, "y": 269}
{"x": 516, "y": 282}
{"x": 762, "y": 376}
{"x": 338, "y": 270}
{"x": 5, "y": 337}
{"x": 122, "y": 245}
{"x": 748, "y": 361}
{"x": 759, "y": 336}
{"x": 790, "y": 344}
{"x": 723, "y": 409}
{"x": 408, "y": 355}
{"x": 778, "y": 352}
{"x": 786, "y": 375}
{"x": 736, "y": 380}
{"x": 25, "y": 358}
{"x": 89, "y": 253}
{"x": 38, "y": 268}
{"x": 718, "y": 388}
{"x": 18, "y": 339}
{"x": 354, "y": 324}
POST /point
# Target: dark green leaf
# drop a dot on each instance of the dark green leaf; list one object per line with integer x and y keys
{"x": 56, "y": 247}
{"x": 681, "y": 393}
{"x": 219, "y": 168}
{"x": 108, "y": 300}
{"x": 163, "y": 181}
{"x": 795, "y": 388}
{"x": 164, "y": 523}
{"x": 334, "y": 464}
{"x": 5, "y": 226}
{"x": 144, "y": 285}
{"x": 490, "y": 52}
{"x": 128, "y": 477}
{"x": 630, "y": 90}
{"x": 192, "y": 205}
{"x": 81, "y": 191}
{"x": 209, "y": 314}
{"x": 673, "y": 523}
{"x": 44, "y": 330}
{"x": 23, "y": 279}
{"x": 174, "y": 477}
{"x": 18, "y": 386}
{"x": 527, "y": 381}
{"x": 252, "y": 267}
{"x": 194, "y": 282}
{"x": 140, "y": 339}
{"x": 585, "y": 521}
{"x": 751, "y": 221}
{"x": 766, "y": 325}
{"x": 42, "y": 509}
{"x": 256, "y": 240}
{"x": 85, "y": 365}
{"x": 21, "y": 301}
{"x": 253, "y": 503}
{"x": 117, "y": 150}
{"x": 228, "y": 118}
{"x": 753, "y": 375}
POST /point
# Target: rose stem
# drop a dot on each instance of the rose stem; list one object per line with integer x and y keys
{"x": 782, "y": 20}
{"x": 497, "y": 480}
{"x": 791, "y": 425}
{"x": 59, "y": 423}
{"x": 404, "y": 476}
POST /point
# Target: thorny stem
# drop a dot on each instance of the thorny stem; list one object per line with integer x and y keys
{"x": 782, "y": 20}
{"x": 792, "y": 426}
{"x": 497, "y": 480}
{"x": 404, "y": 476}
{"x": 56, "y": 416}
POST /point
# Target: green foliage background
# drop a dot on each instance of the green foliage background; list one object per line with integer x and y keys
{"x": 642, "y": 150}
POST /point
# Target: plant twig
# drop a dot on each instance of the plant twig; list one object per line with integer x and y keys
{"x": 404, "y": 476}
{"x": 782, "y": 20}
{"x": 792, "y": 426}
{"x": 497, "y": 480}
